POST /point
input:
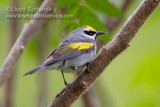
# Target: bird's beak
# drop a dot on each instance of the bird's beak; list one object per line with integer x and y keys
{"x": 100, "y": 33}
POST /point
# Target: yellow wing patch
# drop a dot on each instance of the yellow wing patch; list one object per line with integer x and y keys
{"x": 80, "y": 45}
{"x": 89, "y": 27}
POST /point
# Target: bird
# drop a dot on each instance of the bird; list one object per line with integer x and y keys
{"x": 75, "y": 51}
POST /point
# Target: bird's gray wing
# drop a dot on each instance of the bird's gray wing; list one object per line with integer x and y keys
{"x": 51, "y": 53}
{"x": 69, "y": 50}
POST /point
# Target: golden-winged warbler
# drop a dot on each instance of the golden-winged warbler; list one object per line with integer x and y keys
{"x": 73, "y": 53}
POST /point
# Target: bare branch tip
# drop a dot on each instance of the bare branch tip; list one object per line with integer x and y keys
{"x": 83, "y": 84}
{"x": 104, "y": 47}
{"x": 128, "y": 45}
{"x": 22, "y": 47}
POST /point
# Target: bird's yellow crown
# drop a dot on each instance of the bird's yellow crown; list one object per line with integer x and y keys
{"x": 89, "y": 27}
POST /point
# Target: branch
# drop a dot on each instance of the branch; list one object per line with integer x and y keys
{"x": 28, "y": 31}
{"x": 73, "y": 91}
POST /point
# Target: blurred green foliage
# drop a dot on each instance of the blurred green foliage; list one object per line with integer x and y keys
{"x": 105, "y": 7}
{"x": 65, "y": 3}
{"x": 64, "y": 23}
{"x": 131, "y": 80}
{"x": 83, "y": 14}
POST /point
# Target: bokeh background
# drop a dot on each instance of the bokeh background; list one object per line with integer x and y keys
{"x": 131, "y": 80}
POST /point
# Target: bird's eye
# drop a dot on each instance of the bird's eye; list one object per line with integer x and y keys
{"x": 90, "y": 33}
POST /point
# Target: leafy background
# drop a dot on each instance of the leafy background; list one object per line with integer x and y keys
{"x": 131, "y": 80}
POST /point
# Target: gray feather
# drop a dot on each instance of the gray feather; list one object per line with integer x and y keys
{"x": 34, "y": 70}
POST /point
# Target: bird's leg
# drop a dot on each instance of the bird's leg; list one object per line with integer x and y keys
{"x": 87, "y": 64}
{"x": 63, "y": 78}
{"x": 87, "y": 67}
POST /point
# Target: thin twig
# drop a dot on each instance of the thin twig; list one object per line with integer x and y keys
{"x": 73, "y": 91}
{"x": 113, "y": 22}
{"x": 89, "y": 98}
{"x": 42, "y": 98}
{"x": 43, "y": 40}
{"x": 28, "y": 30}
{"x": 13, "y": 31}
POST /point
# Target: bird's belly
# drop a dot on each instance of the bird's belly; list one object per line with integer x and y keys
{"x": 73, "y": 63}
{"x": 70, "y": 65}
{"x": 55, "y": 66}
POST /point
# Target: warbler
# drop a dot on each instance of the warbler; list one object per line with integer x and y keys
{"x": 73, "y": 53}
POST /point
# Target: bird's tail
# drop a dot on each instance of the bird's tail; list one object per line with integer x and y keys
{"x": 34, "y": 70}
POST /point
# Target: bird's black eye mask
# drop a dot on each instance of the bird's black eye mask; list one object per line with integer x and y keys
{"x": 90, "y": 32}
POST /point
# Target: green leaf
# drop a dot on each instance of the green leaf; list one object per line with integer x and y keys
{"x": 87, "y": 17}
{"x": 74, "y": 10}
{"x": 105, "y": 7}
{"x": 65, "y": 3}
